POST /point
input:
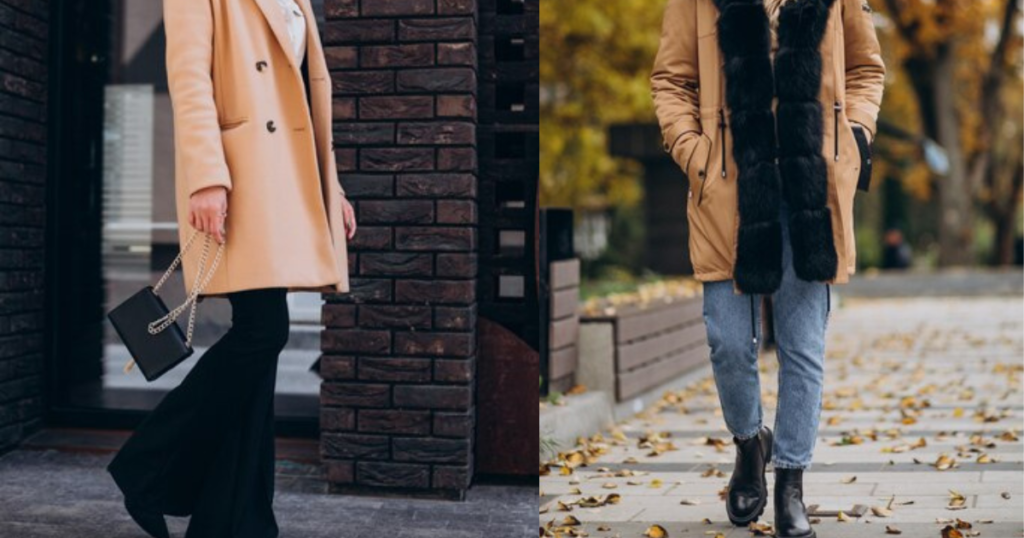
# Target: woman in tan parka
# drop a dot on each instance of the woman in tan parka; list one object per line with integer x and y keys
{"x": 769, "y": 107}
{"x": 251, "y": 96}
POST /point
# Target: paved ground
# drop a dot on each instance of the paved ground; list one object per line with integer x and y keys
{"x": 46, "y": 493}
{"x": 909, "y": 381}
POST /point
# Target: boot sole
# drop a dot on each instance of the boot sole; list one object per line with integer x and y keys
{"x": 752, "y": 518}
{"x": 811, "y": 535}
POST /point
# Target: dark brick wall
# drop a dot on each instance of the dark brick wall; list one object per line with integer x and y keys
{"x": 399, "y": 351}
{"x": 23, "y": 72}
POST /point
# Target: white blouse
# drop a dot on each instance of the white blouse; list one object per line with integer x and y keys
{"x": 296, "y": 25}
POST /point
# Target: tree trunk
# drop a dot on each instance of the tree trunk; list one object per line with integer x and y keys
{"x": 932, "y": 79}
{"x": 1005, "y": 226}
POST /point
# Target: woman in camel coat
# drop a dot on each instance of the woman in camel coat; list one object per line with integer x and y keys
{"x": 254, "y": 169}
{"x": 768, "y": 107}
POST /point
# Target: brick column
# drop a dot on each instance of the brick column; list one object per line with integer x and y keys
{"x": 24, "y": 26}
{"x": 399, "y": 351}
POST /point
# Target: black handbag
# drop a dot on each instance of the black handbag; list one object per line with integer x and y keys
{"x": 150, "y": 331}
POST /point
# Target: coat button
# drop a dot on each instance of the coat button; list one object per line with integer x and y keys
{"x": 260, "y": 65}
{"x": 701, "y": 173}
{"x": 270, "y": 126}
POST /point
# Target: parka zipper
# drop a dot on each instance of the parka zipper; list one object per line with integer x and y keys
{"x": 721, "y": 129}
{"x": 835, "y": 130}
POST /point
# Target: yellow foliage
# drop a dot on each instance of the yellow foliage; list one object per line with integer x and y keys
{"x": 595, "y": 60}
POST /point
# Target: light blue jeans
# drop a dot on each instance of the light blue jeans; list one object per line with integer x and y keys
{"x": 801, "y": 311}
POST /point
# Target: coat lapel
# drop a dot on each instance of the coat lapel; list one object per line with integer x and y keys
{"x": 316, "y": 70}
{"x": 316, "y": 65}
{"x": 272, "y": 13}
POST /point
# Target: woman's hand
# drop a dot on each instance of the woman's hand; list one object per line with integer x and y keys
{"x": 348, "y": 216}
{"x": 207, "y": 209}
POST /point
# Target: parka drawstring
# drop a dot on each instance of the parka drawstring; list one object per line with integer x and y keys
{"x": 753, "y": 322}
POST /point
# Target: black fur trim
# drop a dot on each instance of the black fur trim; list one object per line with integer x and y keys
{"x": 759, "y": 192}
{"x": 814, "y": 254}
{"x": 801, "y": 128}
{"x": 803, "y": 195}
{"x": 802, "y": 23}
{"x": 753, "y": 135}
{"x": 804, "y": 67}
{"x": 743, "y": 29}
{"x": 759, "y": 257}
{"x": 801, "y": 173}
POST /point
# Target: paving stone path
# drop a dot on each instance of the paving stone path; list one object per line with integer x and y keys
{"x": 911, "y": 385}
{"x": 59, "y": 494}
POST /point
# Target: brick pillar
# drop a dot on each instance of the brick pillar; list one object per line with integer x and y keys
{"x": 399, "y": 351}
{"x": 22, "y": 201}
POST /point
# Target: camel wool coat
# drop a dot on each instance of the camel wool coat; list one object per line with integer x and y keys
{"x": 248, "y": 118}
{"x": 713, "y": 84}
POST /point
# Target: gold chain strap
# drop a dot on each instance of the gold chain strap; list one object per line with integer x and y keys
{"x": 161, "y": 323}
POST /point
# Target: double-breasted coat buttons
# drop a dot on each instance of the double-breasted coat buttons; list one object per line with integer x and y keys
{"x": 260, "y": 66}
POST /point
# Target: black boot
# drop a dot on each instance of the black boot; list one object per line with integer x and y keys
{"x": 748, "y": 490}
{"x": 790, "y": 514}
{"x": 150, "y": 520}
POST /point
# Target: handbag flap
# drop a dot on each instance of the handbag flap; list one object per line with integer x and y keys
{"x": 153, "y": 353}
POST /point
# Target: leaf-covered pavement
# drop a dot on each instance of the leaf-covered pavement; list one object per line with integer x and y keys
{"x": 920, "y": 436}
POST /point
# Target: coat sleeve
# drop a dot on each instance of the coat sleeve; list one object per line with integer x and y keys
{"x": 188, "y": 26}
{"x": 675, "y": 76}
{"x": 865, "y": 71}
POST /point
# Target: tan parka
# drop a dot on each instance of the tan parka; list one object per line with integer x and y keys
{"x": 688, "y": 88}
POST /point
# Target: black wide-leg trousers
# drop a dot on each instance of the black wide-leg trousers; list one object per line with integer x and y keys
{"x": 207, "y": 449}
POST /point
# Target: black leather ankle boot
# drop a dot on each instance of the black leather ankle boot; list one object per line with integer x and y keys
{"x": 790, "y": 514}
{"x": 748, "y": 490}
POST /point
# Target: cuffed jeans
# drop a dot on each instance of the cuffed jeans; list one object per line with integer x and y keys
{"x": 801, "y": 311}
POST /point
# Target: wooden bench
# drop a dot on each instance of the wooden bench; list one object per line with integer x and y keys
{"x": 634, "y": 349}
{"x": 564, "y": 324}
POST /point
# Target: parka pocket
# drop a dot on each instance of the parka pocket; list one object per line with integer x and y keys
{"x": 697, "y": 166}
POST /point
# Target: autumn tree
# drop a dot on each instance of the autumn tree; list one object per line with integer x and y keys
{"x": 961, "y": 60}
{"x": 595, "y": 59}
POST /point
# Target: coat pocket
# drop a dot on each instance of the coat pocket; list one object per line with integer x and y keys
{"x": 227, "y": 125}
{"x": 697, "y": 166}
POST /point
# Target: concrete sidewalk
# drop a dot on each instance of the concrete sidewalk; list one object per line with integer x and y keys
{"x": 909, "y": 383}
{"x": 50, "y": 493}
